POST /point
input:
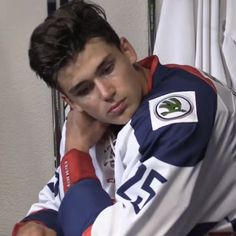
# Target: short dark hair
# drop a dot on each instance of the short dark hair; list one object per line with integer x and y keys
{"x": 57, "y": 41}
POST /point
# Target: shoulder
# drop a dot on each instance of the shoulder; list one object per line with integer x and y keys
{"x": 177, "y": 116}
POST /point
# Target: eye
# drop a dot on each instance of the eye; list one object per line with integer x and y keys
{"x": 84, "y": 89}
{"x": 108, "y": 68}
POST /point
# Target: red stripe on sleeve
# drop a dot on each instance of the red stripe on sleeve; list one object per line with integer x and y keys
{"x": 75, "y": 166}
{"x": 88, "y": 231}
{"x": 193, "y": 71}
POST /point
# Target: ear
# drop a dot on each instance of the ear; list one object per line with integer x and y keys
{"x": 73, "y": 105}
{"x": 128, "y": 50}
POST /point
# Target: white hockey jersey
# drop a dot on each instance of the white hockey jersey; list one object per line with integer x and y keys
{"x": 175, "y": 161}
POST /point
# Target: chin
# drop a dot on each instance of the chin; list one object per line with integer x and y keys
{"x": 120, "y": 123}
{"x": 123, "y": 120}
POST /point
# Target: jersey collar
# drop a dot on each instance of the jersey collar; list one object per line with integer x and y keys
{"x": 151, "y": 64}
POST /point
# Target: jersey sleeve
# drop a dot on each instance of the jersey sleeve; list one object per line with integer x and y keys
{"x": 45, "y": 210}
{"x": 84, "y": 196}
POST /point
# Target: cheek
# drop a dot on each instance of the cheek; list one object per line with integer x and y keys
{"x": 125, "y": 81}
{"x": 80, "y": 104}
{"x": 92, "y": 108}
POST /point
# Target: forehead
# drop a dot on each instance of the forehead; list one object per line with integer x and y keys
{"x": 86, "y": 62}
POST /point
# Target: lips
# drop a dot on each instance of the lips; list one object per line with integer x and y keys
{"x": 117, "y": 108}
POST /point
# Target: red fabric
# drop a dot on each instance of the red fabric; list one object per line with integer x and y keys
{"x": 194, "y": 71}
{"x": 221, "y": 234}
{"x": 75, "y": 166}
{"x": 153, "y": 61}
{"x": 21, "y": 224}
{"x": 151, "y": 64}
{"x": 16, "y": 228}
{"x": 87, "y": 232}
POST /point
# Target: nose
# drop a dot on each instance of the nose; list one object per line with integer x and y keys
{"x": 106, "y": 89}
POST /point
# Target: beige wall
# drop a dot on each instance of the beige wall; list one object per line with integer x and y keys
{"x": 26, "y": 139}
{"x": 26, "y": 153}
{"x": 129, "y": 18}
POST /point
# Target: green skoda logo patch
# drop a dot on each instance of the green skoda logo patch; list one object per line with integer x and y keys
{"x": 173, "y": 107}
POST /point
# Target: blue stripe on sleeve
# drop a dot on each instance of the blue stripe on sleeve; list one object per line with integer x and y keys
{"x": 81, "y": 205}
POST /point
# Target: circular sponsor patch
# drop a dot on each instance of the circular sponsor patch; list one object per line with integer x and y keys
{"x": 173, "y": 107}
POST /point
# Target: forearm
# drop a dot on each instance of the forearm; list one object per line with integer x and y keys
{"x": 33, "y": 228}
{"x": 37, "y": 221}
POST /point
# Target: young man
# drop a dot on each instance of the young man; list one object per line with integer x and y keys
{"x": 174, "y": 156}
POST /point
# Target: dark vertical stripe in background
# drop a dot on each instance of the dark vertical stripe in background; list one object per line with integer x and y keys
{"x": 63, "y": 2}
{"x": 58, "y": 113}
{"x": 52, "y": 5}
{"x": 151, "y": 25}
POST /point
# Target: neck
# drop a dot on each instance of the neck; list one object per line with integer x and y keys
{"x": 144, "y": 73}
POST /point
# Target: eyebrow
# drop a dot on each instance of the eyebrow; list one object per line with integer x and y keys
{"x": 98, "y": 72}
